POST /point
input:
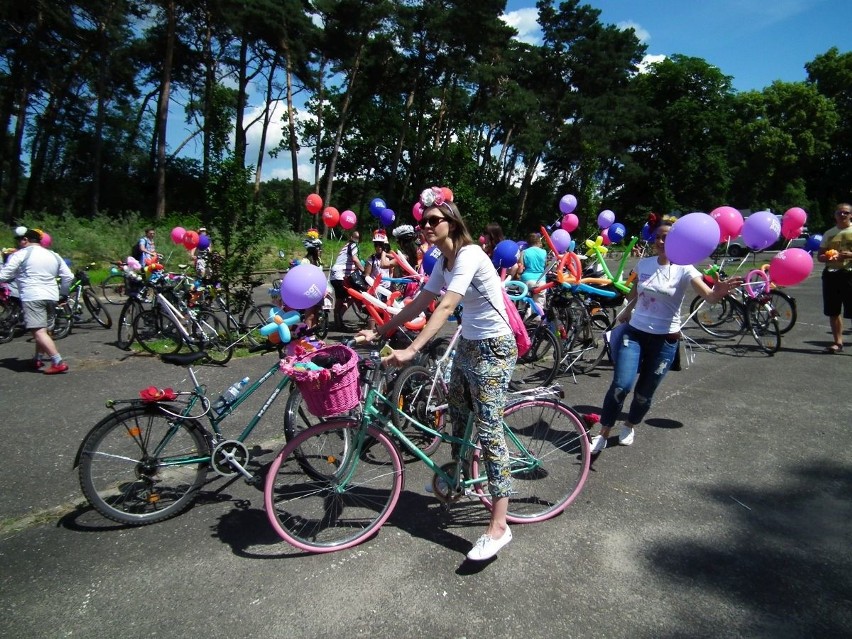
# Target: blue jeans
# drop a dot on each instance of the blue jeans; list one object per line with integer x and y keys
{"x": 637, "y": 354}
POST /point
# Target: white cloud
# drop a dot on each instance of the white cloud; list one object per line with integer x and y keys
{"x": 648, "y": 60}
{"x": 641, "y": 32}
{"x": 525, "y": 22}
{"x": 279, "y": 167}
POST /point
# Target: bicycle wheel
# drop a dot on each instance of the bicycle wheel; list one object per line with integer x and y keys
{"x": 62, "y": 321}
{"x": 321, "y": 330}
{"x": 10, "y": 314}
{"x": 124, "y": 337}
{"x": 785, "y": 309}
{"x": 211, "y": 335}
{"x": 763, "y": 325}
{"x": 98, "y": 311}
{"x": 346, "y": 503}
{"x": 157, "y": 333}
{"x": 539, "y": 366}
{"x": 416, "y": 393}
{"x": 549, "y": 457}
{"x": 723, "y": 319}
{"x": 255, "y": 317}
{"x": 590, "y": 344}
{"x": 114, "y": 289}
{"x": 140, "y": 466}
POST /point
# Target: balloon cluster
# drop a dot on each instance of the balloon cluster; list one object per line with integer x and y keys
{"x": 331, "y": 217}
{"x": 189, "y": 239}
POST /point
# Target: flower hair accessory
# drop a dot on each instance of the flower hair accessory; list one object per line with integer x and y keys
{"x": 312, "y": 234}
{"x": 433, "y": 196}
{"x": 653, "y": 220}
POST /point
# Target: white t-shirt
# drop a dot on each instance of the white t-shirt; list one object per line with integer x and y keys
{"x": 344, "y": 263}
{"x": 479, "y": 319}
{"x": 35, "y": 268}
{"x": 661, "y": 288}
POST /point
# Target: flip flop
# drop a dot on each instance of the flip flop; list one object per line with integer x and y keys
{"x": 834, "y": 348}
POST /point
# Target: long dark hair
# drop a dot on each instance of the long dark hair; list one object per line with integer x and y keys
{"x": 459, "y": 233}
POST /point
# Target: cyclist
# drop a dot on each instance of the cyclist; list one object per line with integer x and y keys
{"x": 36, "y": 269}
{"x": 485, "y": 355}
{"x": 313, "y": 251}
{"x": 346, "y": 263}
{"x": 646, "y": 345}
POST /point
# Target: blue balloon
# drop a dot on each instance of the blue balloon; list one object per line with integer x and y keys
{"x": 429, "y": 259}
{"x": 647, "y": 233}
{"x": 377, "y": 206}
{"x": 616, "y": 232}
{"x": 812, "y": 243}
{"x": 505, "y": 254}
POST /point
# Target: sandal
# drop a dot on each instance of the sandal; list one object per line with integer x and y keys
{"x": 834, "y": 348}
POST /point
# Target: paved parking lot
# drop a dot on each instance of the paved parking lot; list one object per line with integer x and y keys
{"x": 729, "y": 516}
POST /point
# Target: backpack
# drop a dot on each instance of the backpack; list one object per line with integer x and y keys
{"x": 136, "y": 251}
{"x": 522, "y": 338}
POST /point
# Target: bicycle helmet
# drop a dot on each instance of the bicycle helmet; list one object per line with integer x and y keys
{"x": 309, "y": 243}
{"x": 404, "y": 232}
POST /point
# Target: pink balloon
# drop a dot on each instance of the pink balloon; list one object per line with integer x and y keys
{"x": 693, "y": 238}
{"x": 605, "y": 219}
{"x": 791, "y": 232}
{"x": 795, "y": 216}
{"x": 605, "y": 239}
{"x": 561, "y": 240}
{"x": 730, "y": 222}
{"x": 417, "y": 211}
{"x": 177, "y": 234}
{"x": 570, "y": 222}
{"x": 133, "y": 263}
{"x": 791, "y": 266}
{"x": 761, "y": 230}
{"x": 348, "y": 219}
{"x": 45, "y": 240}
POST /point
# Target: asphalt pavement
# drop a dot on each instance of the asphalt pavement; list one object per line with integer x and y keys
{"x": 728, "y": 517}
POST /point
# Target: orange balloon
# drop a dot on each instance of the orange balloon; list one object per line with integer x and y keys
{"x": 448, "y": 194}
{"x": 313, "y": 203}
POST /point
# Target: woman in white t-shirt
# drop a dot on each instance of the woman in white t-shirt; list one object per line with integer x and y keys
{"x": 485, "y": 354}
{"x": 643, "y": 352}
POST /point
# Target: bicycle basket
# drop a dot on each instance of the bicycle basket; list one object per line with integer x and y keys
{"x": 327, "y": 379}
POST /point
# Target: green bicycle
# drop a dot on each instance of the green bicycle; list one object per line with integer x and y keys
{"x": 336, "y": 483}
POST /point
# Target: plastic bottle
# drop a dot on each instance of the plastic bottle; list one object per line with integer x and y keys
{"x": 448, "y": 369}
{"x": 234, "y": 390}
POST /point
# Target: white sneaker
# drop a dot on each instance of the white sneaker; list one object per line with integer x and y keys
{"x": 598, "y": 444}
{"x": 486, "y": 547}
{"x": 625, "y": 435}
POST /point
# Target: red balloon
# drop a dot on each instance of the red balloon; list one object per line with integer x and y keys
{"x": 190, "y": 239}
{"x": 313, "y": 203}
{"x": 331, "y": 216}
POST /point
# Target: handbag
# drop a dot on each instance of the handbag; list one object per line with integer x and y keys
{"x": 522, "y": 338}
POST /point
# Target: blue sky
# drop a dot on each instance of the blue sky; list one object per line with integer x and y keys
{"x": 754, "y": 41}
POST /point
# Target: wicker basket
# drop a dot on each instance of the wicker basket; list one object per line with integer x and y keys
{"x": 330, "y": 391}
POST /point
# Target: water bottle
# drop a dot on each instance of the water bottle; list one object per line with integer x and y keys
{"x": 448, "y": 369}
{"x": 226, "y": 398}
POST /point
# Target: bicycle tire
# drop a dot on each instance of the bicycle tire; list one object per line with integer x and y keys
{"x": 545, "y": 484}
{"x": 344, "y": 505}
{"x": 140, "y": 466}
{"x": 591, "y": 344}
{"x": 157, "y": 333}
{"x": 321, "y": 329}
{"x": 124, "y": 334}
{"x": 540, "y": 365}
{"x": 415, "y": 395}
{"x": 255, "y": 317}
{"x": 114, "y": 289}
{"x": 212, "y": 336}
{"x": 763, "y": 325}
{"x": 62, "y": 321}
{"x": 98, "y": 310}
{"x": 725, "y": 319}
{"x": 785, "y": 308}
{"x": 10, "y": 316}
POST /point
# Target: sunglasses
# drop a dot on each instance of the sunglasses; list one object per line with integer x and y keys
{"x": 433, "y": 220}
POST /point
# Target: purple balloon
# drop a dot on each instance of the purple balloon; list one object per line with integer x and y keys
{"x": 303, "y": 286}
{"x": 203, "y": 242}
{"x": 387, "y": 217}
{"x": 692, "y": 238}
{"x": 523, "y": 245}
{"x": 605, "y": 219}
{"x": 761, "y": 230}
{"x": 561, "y": 240}
{"x": 567, "y": 204}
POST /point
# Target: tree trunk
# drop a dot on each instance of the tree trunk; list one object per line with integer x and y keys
{"x": 242, "y": 83}
{"x": 267, "y": 116}
{"x": 293, "y": 143}
{"x": 163, "y": 109}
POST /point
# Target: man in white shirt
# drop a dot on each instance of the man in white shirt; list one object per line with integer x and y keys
{"x": 35, "y": 268}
